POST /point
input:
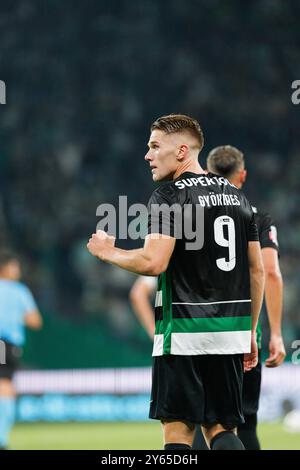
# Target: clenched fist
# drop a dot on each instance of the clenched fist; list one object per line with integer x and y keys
{"x": 99, "y": 243}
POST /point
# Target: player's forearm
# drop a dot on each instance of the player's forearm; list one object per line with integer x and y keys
{"x": 136, "y": 261}
{"x": 273, "y": 297}
{"x": 257, "y": 293}
{"x": 145, "y": 314}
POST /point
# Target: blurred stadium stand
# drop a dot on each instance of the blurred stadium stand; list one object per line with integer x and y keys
{"x": 123, "y": 394}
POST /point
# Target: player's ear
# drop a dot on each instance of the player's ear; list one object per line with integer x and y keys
{"x": 243, "y": 176}
{"x": 182, "y": 152}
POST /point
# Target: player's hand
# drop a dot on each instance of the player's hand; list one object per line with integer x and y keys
{"x": 276, "y": 350}
{"x": 251, "y": 359}
{"x": 99, "y": 243}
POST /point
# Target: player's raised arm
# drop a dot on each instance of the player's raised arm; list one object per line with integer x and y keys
{"x": 151, "y": 260}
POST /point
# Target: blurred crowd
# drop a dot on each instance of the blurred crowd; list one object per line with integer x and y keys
{"x": 84, "y": 82}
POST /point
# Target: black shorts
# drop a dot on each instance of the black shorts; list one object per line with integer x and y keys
{"x": 198, "y": 389}
{"x": 251, "y": 389}
{"x": 12, "y": 357}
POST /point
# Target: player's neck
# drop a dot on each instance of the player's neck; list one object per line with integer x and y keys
{"x": 236, "y": 182}
{"x": 192, "y": 166}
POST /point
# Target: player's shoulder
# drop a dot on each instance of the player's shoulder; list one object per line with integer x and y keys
{"x": 263, "y": 217}
{"x": 11, "y": 285}
{"x": 21, "y": 287}
{"x": 267, "y": 229}
{"x": 150, "y": 281}
{"x": 165, "y": 191}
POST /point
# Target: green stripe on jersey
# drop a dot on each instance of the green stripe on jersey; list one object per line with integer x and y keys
{"x": 195, "y": 325}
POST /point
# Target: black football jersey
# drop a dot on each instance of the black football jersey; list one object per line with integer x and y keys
{"x": 203, "y": 303}
{"x": 267, "y": 230}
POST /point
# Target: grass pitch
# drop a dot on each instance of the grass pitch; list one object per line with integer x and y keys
{"x": 121, "y": 436}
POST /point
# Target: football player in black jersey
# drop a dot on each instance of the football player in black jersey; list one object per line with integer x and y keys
{"x": 229, "y": 162}
{"x": 208, "y": 298}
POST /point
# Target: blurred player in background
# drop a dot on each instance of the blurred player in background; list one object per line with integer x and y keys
{"x": 229, "y": 162}
{"x": 140, "y": 295}
{"x": 206, "y": 322}
{"x": 17, "y": 310}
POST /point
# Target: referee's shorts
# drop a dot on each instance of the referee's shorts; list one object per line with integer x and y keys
{"x": 198, "y": 389}
{"x": 13, "y": 354}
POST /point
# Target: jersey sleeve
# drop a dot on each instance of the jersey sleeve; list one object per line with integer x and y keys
{"x": 163, "y": 211}
{"x": 150, "y": 281}
{"x": 268, "y": 233}
{"x": 252, "y": 234}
